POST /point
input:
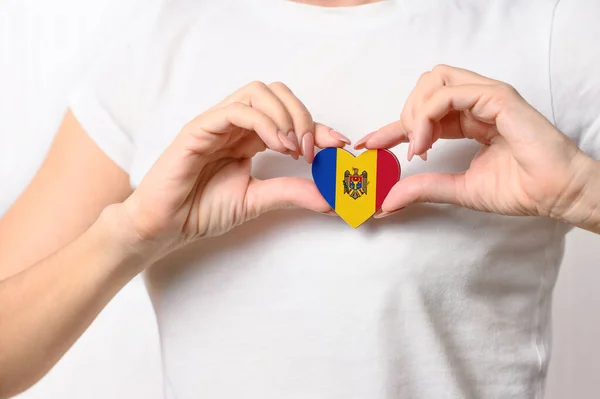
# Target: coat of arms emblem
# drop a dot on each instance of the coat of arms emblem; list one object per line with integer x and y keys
{"x": 355, "y": 185}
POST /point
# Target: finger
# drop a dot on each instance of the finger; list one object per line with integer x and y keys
{"x": 400, "y": 131}
{"x": 484, "y": 103}
{"x": 259, "y": 96}
{"x": 389, "y": 136}
{"x": 430, "y": 81}
{"x": 307, "y": 133}
{"x": 302, "y": 122}
{"x": 247, "y": 147}
{"x": 386, "y": 137}
{"x": 495, "y": 109}
{"x": 328, "y": 137}
{"x": 441, "y": 188}
{"x": 446, "y": 75}
{"x": 284, "y": 192}
{"x": 413, "y": 100}
{"x": 222, "y": 120}
{"x": 360, "y": 144}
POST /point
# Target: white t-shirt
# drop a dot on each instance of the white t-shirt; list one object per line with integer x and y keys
{"x": 436, "y": 302}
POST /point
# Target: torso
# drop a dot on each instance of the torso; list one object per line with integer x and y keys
{"x": 436, "y": 302}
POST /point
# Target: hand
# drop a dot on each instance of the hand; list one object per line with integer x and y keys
{"x": 201, "y": 185}
{"x": 525, "y": 165}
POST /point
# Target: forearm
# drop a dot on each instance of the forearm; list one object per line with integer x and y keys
{"x": 45, "y": 308}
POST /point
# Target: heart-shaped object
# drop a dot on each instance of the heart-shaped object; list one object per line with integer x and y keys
{"x": 355, "y": 187}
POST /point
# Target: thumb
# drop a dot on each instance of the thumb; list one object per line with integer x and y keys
{"x": 440, "y": 188}
{"x": 284, "y": 192}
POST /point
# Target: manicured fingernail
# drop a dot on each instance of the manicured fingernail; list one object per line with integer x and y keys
{"x": 292, "y": 137}
{"x": 411, "y": 151}
{"x": 360, "y": 143}
{"x": 308, "y": 147}
{"x": 424, "y": 156}
{"x": 289, "y": 144}
{"x": 338, "y": 136}
{"x": 383, "y": 214}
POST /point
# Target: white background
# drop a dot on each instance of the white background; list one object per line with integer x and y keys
{"x": 45, "y": 47}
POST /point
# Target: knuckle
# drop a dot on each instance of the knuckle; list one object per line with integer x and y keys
{"x": 506, "y": 94}
{"x": 424, "y": 77}
{"x": 190, "y": 127}
{"x": 282, "y": 118}
{"x": 256, "y": 85}
{"x": 441, "y": 69}
{"x": 303, "y": 116}
{"x": 405, "y": 115}
{"x": 443, "y": 73}
{"x": 235, "y": 106}
{"x": 278, "y": 86}
{"x": 281, "y": 115}
{"x": 507, "y": 90}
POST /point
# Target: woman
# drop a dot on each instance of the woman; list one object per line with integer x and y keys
{"x": 437, "y": 301}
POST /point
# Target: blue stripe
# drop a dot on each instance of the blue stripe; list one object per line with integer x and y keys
{"x": 324, "y": 173}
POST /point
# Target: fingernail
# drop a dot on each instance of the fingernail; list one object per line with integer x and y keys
{"x": 308, "y": 147}
{"x": 383, "y": 214}
{"x": 424, "y": 156}
{"x": 338, "y": 136}
{"x": 289, "y": 144}
{"x": 292, "y": 137}
{"x": 411, "y": 152}
{"x": 360, "y": 143}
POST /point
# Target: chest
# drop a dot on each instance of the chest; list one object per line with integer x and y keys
{"x": 354, "y": 82}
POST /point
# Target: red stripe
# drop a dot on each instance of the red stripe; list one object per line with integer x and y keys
{"x": 388, "y": 174}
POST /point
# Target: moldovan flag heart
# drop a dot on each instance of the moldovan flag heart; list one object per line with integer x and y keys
{"x": 355, "y": 187}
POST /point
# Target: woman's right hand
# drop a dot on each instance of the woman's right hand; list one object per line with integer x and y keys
{"x": 201, "y": 185}
{"x": 53, "y": 285}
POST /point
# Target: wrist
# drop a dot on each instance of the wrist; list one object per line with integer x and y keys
{"x": 122, "y": 242}
{"x": 592, "y": 197}
{"x": 584, "y": 211}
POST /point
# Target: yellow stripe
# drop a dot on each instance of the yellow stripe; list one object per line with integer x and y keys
{"x": 356, "y": 211}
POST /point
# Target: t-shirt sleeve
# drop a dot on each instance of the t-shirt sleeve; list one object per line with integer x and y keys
{"x": 109, "y": 101}
{"x": 575, "y": 72}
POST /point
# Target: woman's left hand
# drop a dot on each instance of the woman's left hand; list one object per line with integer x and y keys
{"x": 525, "y": 165}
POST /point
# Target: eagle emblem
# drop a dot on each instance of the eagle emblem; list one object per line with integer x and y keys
{"x": 355, "y": 185}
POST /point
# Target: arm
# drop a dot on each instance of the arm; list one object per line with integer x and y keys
{"x": 199, "y": 187}
{"x": 46, "y": 307}
{"x": 575, "y": 86}
{"x": 78, "y": 265}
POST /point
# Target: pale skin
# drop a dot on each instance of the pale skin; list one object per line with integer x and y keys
{"x": 525, "y": 168}
{"x": 95, "y": 233}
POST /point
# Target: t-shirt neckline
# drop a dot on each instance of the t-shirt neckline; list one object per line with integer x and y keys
{"x": 318, "y": 19}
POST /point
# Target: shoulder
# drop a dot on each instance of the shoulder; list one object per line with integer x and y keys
{"x": 154, "y": 24}
{"x": 129, "y": 73}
